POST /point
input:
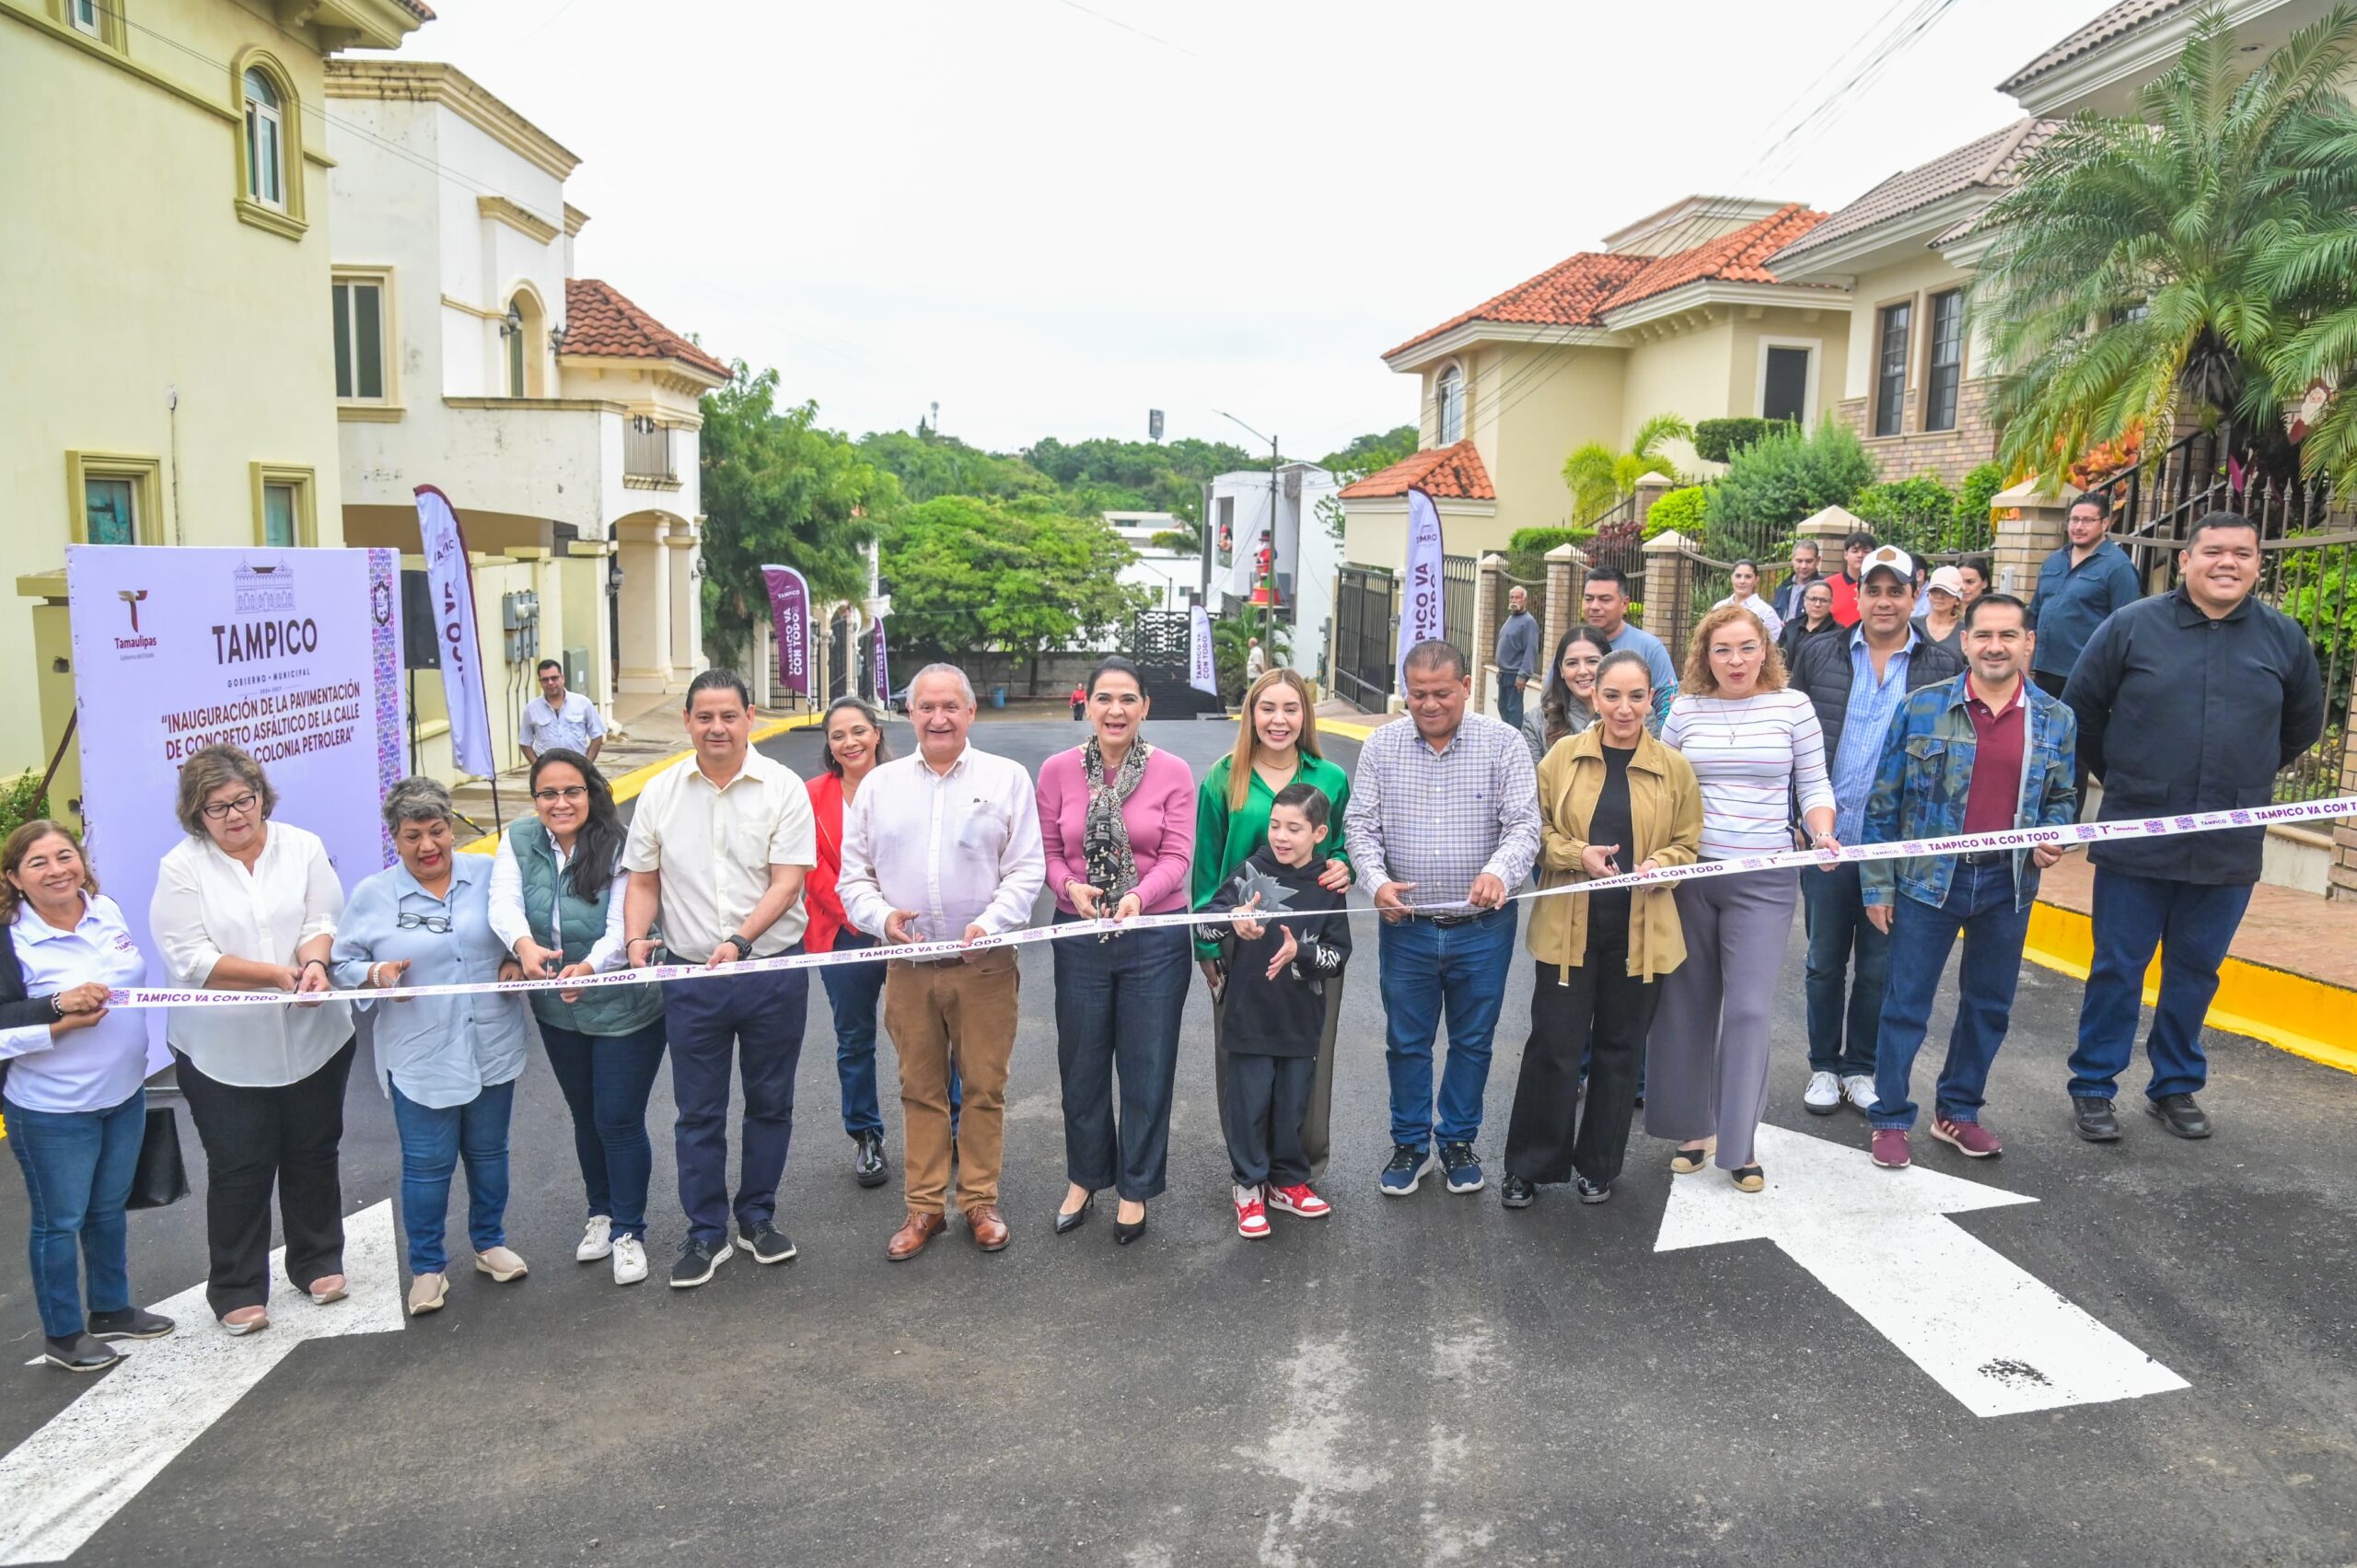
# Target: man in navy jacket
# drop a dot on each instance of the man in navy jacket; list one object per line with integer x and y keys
{"x": 2190, "y": 702}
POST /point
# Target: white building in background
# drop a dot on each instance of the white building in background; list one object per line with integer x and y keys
{"x": 1174, "y": 576}
{"x": 560, "y": 418}
{"x": 1307, "y": 552}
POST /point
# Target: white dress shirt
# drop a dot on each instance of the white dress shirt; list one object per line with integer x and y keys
{"x": 92, "y": 1069}
{"x": 714, "y": 847}
{"x": 511, "y": 925}
{"x": 960, "y": 848}
{"x": 207, "y": 907}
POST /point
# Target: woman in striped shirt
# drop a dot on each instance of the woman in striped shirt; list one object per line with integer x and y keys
{"x": 1754, "y": 744}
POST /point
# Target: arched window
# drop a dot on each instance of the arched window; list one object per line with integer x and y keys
{"x": 265, "y": 141}
{"x": 1448, "y": 402}
{"x": 521, "y": 339}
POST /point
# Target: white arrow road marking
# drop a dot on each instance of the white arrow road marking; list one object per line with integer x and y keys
{"x": 68, "y": 1478}
{"x": 1996, "y": 1337}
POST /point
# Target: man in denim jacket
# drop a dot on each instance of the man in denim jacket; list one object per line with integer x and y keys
{"x": 1984, "y": 752}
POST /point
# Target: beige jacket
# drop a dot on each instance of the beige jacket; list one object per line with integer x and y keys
{"x": 1665, "y": 814}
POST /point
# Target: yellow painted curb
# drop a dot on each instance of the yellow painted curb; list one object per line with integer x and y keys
{"x": 1349, "y": 728}
{"x": 628, "y": 786}
{"x": 2291, "y": 1011}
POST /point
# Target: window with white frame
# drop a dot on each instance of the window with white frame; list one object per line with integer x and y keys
{"x": 1943, "y": 377}
{"x": 1893, "y": 327}
{"x": 265, "y": 140}
{"x": 87, "y": 16}
{"x": 360, "y": 338}
{"x": 1448, "y": 403}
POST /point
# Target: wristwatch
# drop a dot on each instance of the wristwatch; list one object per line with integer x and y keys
{"x": 744, "y": 948}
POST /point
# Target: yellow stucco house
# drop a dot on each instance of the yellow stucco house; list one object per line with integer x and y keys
{"x": 166, "y": 189}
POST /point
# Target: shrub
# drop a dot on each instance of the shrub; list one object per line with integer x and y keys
{"x": 1680, "y": 509}
{"x": 1539, "y": 542}
{"x": 21, "y": 801}
{"x": 1972, "y": 529}
{"x": 1717, "y": 440}
{"x": 1782, "y": 478}
{"x": 1912, "y": 514}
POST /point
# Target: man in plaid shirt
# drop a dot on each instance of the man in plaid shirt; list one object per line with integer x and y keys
{"x": 1447, "y": 808}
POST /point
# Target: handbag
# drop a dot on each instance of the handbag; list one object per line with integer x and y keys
{"x": 162, "y": 1177}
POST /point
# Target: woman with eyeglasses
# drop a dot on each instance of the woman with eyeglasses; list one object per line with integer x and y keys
{"x": 556, "y": 903}
{"x": 246, "y": 903}
{"x": 448, "y": 1063}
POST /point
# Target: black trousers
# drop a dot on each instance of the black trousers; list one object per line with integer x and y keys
{"x": 1596, "y": 1008}
{"x": 1266, "y": 1096}
{"x": 2052, "y": 686}
{"x": 287, "y": 1136}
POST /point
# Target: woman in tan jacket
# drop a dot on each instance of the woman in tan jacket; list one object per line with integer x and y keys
{"x": 1610, "y": 799}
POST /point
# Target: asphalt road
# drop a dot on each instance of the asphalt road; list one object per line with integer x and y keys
{"x": 1420, "y": 1381}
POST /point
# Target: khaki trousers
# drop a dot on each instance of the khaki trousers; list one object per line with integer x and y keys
{"x": 940, "y": 1014}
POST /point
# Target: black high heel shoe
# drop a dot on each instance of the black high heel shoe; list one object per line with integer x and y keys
{"x": 1068, "y": 1223}
{"x": 1124, "y": 1232}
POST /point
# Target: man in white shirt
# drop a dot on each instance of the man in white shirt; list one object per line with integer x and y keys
{"x": 559, "y": 718}
{"x": 718, "y": 847}
{"x": 945, "y": 846}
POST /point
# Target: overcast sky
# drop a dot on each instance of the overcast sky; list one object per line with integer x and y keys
{"x": 1050, "y": 218}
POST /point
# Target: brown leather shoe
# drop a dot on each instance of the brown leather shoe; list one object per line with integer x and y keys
{"x": 910, "y": 1239}
{"x": 990, "y": 1227}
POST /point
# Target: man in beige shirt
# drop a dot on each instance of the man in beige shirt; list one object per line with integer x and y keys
{"x": 718, "y": 848}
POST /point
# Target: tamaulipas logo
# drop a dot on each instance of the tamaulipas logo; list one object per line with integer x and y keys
{"x": 131, "y": 599}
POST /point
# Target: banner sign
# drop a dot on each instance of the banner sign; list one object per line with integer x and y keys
{"x": 882, "y": 669}
{"x": 1420, "y": 599}
{"x": 293, "y": 655}
{"x": 451, "y": 581}
{"x": 1203, "y": 670}
{"x": 790, "y": 614}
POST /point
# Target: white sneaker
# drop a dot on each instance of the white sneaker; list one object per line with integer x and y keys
{"x": 1823, "y": 1096}
{"x": 1858, "y": 1089}
{"x": 630, "y": 1259}
{"x": 596, "y": 1239}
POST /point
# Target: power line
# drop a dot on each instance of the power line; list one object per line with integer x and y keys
{"x": 1116, "y": 21}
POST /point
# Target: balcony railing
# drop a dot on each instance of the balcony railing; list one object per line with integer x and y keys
{"x": 646, "y": 451}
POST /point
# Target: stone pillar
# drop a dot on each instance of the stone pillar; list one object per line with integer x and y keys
{"x": 646, "y": 600}
{"x": 1489, "y": 596}
{"x": 764, "y": 660}
{"x": 1669, "y": 588}
{"x": 1566, "y": 575}
{"x": 1650, "y": 488}
{"x": 2030, "y": 526}
{"x": 686, "y": 652}
{"x": 1828, "y": 528}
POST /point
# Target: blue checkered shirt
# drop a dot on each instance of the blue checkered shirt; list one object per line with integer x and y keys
{"x": 1440, "y": 818}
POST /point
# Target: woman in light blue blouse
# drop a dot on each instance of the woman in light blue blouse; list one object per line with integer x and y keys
{"x": 449, "y": 1063}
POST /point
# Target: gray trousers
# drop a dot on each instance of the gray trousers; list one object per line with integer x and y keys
{"x": 1317, "y": 1117}
{"x": 1707, "y": 1057}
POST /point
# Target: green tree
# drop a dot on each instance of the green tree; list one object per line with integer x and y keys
{"x": 777, "y": 489}
{"x": 1370, "y": 453}
{"x": 1600, "y": 478}
{"x": 971, "y": 574}
{"x": 2187, "y": 263}
{"x": 1779, "y": 478}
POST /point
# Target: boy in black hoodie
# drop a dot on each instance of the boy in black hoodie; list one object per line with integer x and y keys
{"x": 1275, "y": 1007}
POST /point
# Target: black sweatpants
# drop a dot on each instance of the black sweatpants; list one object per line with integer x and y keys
{"x": 1266, "y": 1097}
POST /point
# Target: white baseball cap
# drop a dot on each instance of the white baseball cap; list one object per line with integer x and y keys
{"x": 1888, "y": 558}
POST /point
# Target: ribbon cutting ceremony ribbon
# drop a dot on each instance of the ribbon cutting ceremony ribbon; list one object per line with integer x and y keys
{"x": 2066, "y": 837}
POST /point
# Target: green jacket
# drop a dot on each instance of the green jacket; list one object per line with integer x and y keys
{"x": 602, "y": 1010}
{"x": 1225, "y": 841}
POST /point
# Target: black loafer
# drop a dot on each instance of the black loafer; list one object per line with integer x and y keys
{"x": 2094, "y": 1120}
{"x": 1592, "y": 1191}
{"x": 867, "y": 1166}
{"x": 2179, "y": 1115}
{"x": 79, "y": 1352}
{"x": 1068, "y": 1223}
{"x": 1516, "y": 1194}
{"x": 131, "y": 1323}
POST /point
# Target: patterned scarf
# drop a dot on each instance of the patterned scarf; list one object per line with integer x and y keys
{"x": 1104, "y": 837}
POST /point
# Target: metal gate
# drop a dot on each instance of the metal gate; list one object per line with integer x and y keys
{"x": 1457, "y": 575}
{"x": 1366, "y": 617}
{"x": 1161, "y": 644}
{"x": 841, "y": 664}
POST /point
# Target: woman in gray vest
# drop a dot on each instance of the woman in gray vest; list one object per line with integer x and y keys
{"x": 556, "y": 900}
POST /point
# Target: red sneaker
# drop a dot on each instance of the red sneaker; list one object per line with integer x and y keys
{"x": 1251, "y": 1216}
{"x": 1968, "y": 1138}
{"x": 1890, "y": 1148}
{"x": 1299, "y": 1202}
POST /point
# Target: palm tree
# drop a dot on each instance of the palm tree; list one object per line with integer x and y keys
{"x": 1600, "y": 478}
{"x": 2179, "y": 267}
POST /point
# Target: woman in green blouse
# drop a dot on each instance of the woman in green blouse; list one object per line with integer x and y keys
{"x": 1276, "y": 745}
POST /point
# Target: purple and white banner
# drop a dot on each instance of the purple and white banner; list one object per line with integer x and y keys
{"x": 1203, "y": 668}
{"x": 882, "y": 669}
{"x": 790, "y": 614}
{"x": 1422, "y": 599}
{"x": 465, "y": 693}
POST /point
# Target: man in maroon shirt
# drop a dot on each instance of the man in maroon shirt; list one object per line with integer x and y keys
{"x": 1983, "y": 753}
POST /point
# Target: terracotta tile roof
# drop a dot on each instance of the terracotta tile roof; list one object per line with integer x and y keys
{"x": 599, "y": 322}
{"x": 1580, "y": 290}
{"x": 2126, "y": 17}
{"x": 1445, "y": 473}
{"x": 1988, "y": 162}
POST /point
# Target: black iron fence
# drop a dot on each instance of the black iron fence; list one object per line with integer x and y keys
{"x": 1459, "y": 576}
{"x": 1366, "y": 617}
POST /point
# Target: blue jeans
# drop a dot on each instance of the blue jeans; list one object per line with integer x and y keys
{"x": 1430, "y": 972}
{"x": 1509, "y": 699}
{"x": 755, "y": 1019}
{"x": 1980, "y": 904}
{"x": 2193, "y": 925}
{"x": 1845, "y": 953}
{"x": 434, "y": 1140}
{"x": 607, "y": 1080}
{"x": 1118, "y": 1006}
{"x": 78, "y": 1165}
{"x": 853, "y": 993}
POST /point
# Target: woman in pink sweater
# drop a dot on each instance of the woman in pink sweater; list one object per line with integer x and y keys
{"x": 1117, "y": 817}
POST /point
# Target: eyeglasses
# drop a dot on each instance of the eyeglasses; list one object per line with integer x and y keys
{"x": 437, "y": 923}
{"x": 569, "y": 792}
{"x": 220, "y": 811}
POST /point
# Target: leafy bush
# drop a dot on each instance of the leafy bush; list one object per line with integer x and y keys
{"x": 1972, "y": 529}
{"x": 21, "y": 801}
{"x": 1910, "y": 513}
{"x": 1717, "y": 440}
{"x": 1782, "y": 478}
{"x": 1680, "y": 509}
{"x": 1539, "y": 542}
